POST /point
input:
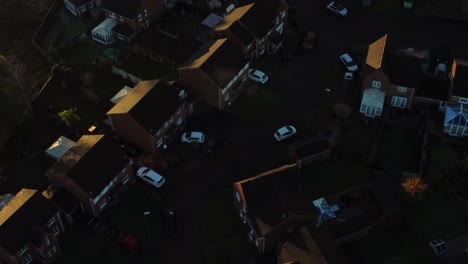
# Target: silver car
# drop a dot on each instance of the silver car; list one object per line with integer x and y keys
{"x": 338, "y": 9}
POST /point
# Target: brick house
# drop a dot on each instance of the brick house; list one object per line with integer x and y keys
{"x": 29, "y": 228}
{"x": 256, "y": 28}
{"x": 215, "y": 73}
{"x": 70, "y": 207}
{"x": 94, "y": 170}
{"x": 132, "y": 16}
{"x": 459, "y": 82}
{"x": 151, "y": 114}
{"x": 272, "y": 207}
{"x": 79, "y": 7}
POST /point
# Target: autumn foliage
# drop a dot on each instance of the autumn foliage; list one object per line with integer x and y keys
{"x": 415, "y": 187}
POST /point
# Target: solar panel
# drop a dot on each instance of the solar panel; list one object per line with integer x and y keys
{"x": 212, "y": 20}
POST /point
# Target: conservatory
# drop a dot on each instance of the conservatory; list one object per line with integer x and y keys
{"x": 103, "y": 32}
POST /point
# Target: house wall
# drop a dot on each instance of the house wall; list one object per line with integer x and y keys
{"x": 221, "y": 34}
{"x": 457, "y": 131}
{"x": 430, "y": 102}
{"x": 129, "y": 129}
{"x": 313, "y": 159}
{"x": 50, "y": 248}
{"x": 178, "y": 119}
{"x": 55, "y": 225}
{"x": 154, "y": 8}
{"x": 6, "y": 257}
{"x": 392, "y": 90}
{"x": 200, "y": 85}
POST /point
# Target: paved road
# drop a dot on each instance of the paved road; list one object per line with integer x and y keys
{"x": 251, "y": 146}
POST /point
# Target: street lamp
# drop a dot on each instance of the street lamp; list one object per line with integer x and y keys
{"x": 145, "y": 214}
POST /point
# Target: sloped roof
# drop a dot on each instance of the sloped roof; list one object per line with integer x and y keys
{"x": 260, "y": 19}
{"x": 403, "y": 67}
{"x": 126, "y": 8}
{"x": 375, "y": 53}
{"x": 22, "y": 219}
{"x": 460, "y": 78}
{"x": 242, "y": 33}
{"x": 60, "y": 147}
{"x": 272, "y": 196}
{"x": 433, "y": 87}
{"x": 232, "y": 17}
{"x": 91, "y": 163}
{"x": 220, "y": 59}
{"x": 105, "y": 28}
{"x": 121, "y": 94}
{"x": 150, "y": 103}
{"x": 373, "y": 97}
{"x": 456, "y": 115}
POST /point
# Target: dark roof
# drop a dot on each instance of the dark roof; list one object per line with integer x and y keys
{"x": 91, "y": 163}
{"x": 310, "y": 147}
{"x": 79, "y": 3}
{"x": 65, "y": 200}
{"x": 273, "y": 196}
{"x": 123, "y": 29}
{"x": 150, "y": 103}
{"x": 433, "y": 88}
{"x": 260, "y": 18}
{"x": 125, "y": 8}
{"x": 460, "y": 80}
{"x": 242, "y": 33}
{"x": 22, "y": 219}
{"x": 402, "y": 68}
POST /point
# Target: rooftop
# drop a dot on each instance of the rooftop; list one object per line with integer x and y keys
{"x": 433, "y": 88}
{"x": 403, "y": 67}
{"x": 457, "y": 115}
{"x": 260, "y": 18}
{"x": 460, "y": 78}
{"x": 150, "y": 103}
{"x": 272, "y": 196}
{"x": 220, "y": 59}
{"x": 126, "y": 8}
{"x": 375, "y": 53}
{"x": 91, "y": 163}
{"x": 22, "y": 219}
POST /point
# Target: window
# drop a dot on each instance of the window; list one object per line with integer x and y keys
{"x": 226, "y": 98}
{"x": 102, "y": 204}
{"x": 447, "y": 128}
{"x": 442, "y": 104}
{"x": 159, "y": 143}
{"x": 54, "y": 249}
{"x": 179, "y": 121}
{"x": 47, "y": 240}
{"x": 256, "y": 242}
{"x": 363, "y": 109}
{"x": 49, "y": 254}
{"x": 56, "y": 230}
{"x": 251, "y": 235}
{"x": 21, "y": 252}
{"x": 244, "y": 208}
{"x": 376, "y": 84}
{"x": 146, "y": 12}
{"x": 378, "y": 112}
{"x": 148, "y": 178}
{"x": 166, "y": 125}
{"x": 401, "y": 89}
{"x": 279, "y": 29}
{"x": 276, "y": 20}
{"x": 238, "y": 196}
{"x": 51, "y": 222}
{"x": 27, "y": 259}
{"x": 463, "y": 100}
{"x": 112, "y": 15}
{"x": 126, "y": 179}
{"x": 283, "y": 14}
{"x": 399, "y": 102}
{"x": 140, "y": 18}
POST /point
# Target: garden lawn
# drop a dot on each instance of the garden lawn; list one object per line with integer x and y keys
{"x": 75, "y": 27}
{"x": 436, "y": 216}
{"x": 377, "y": 247}
{"x": 263, "y": 104}
{"x": 143, "y": 67}
{"x": 387, "y": 6}
{"x": 332, "y": 177}
{"x": 80, "y": 54}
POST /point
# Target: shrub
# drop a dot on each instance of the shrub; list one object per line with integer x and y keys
{"x": 414, "y": 187}
{"x": 69, "y": 117}
{"x": 105, "y": 65}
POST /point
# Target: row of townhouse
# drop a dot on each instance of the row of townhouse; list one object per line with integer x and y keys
{"x": 402, "y": 78}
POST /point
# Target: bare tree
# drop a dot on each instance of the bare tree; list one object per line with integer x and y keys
{"x": 17, "y": 69}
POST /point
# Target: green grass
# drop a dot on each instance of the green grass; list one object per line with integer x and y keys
{"x": 222, "y": 234}
{"x": 436, "y": 216}
{"x": 79, "y": 244}
{"x": 262, "y": 104}
{"x": 377, "y": 247}
{"x": 333, "y": 177}
{"x": 108, "y": 84}
{"x": 400, "y": 149}
{"x": 76, "y": 27}
{"x": 143, "y": 67}
{"x": 80, "y": 54}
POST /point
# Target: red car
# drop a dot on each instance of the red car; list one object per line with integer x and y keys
{"x": 128, "y": 243}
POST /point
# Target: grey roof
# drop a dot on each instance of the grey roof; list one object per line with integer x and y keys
{"x": 402, "y": 68}
{"x": 25, "y": 224}
{"x": 126, "y": 8}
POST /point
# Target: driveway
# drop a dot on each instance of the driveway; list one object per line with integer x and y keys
{"x": 251, "y": 147}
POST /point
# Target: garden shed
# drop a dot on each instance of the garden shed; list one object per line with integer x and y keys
{"x": 60, "y": 147}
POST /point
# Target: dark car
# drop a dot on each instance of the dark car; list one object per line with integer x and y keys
{"x": 169, "y": 221}
{"x": 128, "y": 242}
{"x": 212, "y": 145}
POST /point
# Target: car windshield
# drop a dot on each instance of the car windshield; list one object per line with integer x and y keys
{"x": 145, "y": 171}
{"x": 339, "y": 7}
{"x": 160, "y": 180}
{"x": 277, "y": 133}
{"x": 289, "y": 129}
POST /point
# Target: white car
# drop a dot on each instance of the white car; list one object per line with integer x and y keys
{"x": 190, "y": 137}
{"x": 151, "y": 177}
{"x": 349, "y": 62}
{"x": 258, "y": 76}
{"x": 337, "y": 9}
{"x": 285, "y": 133}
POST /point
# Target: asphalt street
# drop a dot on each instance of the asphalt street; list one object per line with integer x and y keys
{"x": 251, "y": 147}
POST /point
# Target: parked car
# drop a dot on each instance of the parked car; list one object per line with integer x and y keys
{"x": 191, "y": 137}
{"x": 308, "y": 42}
{"x": 349, "y": 62}
{"x": 150, "y": 176}
{"x": 128, "y": 242}
{"x": 212, "y": 144}
{"x": 338, "y": 9}
{"x": 169, "y": 221}
{"x": 258, "y": 76}
{"x": 285, "y": 133}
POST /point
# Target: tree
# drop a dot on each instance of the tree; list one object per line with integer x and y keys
{"x": 17, "y": 70}
{"x": 414, "y": 187}
{"x": 69, "y": 117}
{"x": 87, "y": 78}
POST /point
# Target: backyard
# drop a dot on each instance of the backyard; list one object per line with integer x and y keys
{"x": 143, "y": 67}
{"x": 126, "y": 216}
{"x": 80, "y": 54}
{"x": 332, "y": 177}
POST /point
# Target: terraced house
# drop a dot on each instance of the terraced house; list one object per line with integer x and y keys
{"x": 29, "y": 228}
{"x": 95, "y": 171}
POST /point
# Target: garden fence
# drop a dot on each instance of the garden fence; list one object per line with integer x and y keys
{"x": 125, "y": 75}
